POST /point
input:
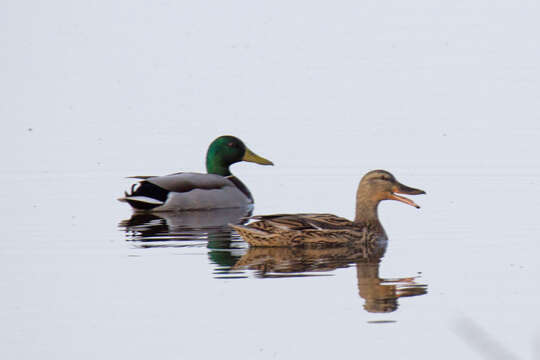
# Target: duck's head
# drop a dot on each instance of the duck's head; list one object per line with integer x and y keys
{"x": 378, "y": 185}
{"x": 227, "y": 150}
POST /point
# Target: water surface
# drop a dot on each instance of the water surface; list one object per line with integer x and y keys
{"x": 443, "y": 95}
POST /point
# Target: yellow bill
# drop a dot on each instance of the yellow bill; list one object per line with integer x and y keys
{"x": 250, "y": 156}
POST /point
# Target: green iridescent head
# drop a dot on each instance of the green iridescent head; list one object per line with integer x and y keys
{"x": 227, "y": 150}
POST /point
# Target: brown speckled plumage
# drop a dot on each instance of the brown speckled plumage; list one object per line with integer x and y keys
{"x": 327, "y": 229}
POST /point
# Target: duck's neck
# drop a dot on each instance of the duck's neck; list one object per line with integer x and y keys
{"x": 366, "y": 211}
{"x": 216, "y": 165}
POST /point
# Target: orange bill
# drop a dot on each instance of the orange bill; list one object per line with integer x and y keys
{"x": 403, "y": 189}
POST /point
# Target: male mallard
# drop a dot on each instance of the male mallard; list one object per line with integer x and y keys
{"x": 194, "y": 191}
{"x": 328, "y": 229}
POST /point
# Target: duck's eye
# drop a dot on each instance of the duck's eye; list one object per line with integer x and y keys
{"x": 231, "y": 144}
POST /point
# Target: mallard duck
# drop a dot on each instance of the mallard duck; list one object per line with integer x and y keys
{"x": 328, "y": 229}
{"x": 194, "y": 191}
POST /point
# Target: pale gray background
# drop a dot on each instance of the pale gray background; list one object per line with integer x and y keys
{"x": 443, "y": 94}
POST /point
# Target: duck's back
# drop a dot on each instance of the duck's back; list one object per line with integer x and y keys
{"x": 286, "y": 222}
{"x": 188, "y": 191}
{"x": 301, "y": 230}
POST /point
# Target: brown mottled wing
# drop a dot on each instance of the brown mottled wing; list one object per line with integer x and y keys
{"x": 301, "y": 222}
{"x": 328, "y": 221}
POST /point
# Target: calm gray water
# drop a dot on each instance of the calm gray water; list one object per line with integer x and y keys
{"x": 445, "y": 96}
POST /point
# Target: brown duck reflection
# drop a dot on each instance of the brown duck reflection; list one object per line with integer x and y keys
{"x": 187, "y": 229}
{"x": 380, "y": 295}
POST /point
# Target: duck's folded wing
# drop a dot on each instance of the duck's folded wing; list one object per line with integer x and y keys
{"x": 183, "y": 182}
{"x": 182, "y": 188}
{"x": 140, "y": 177}
{"x": 301, "y": 221}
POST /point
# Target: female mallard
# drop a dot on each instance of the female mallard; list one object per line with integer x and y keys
{"x": 194, "y": 191}
{"x": 328, "y": 229}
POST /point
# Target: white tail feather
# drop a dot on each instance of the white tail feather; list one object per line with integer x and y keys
{"x": 144, "y": 199}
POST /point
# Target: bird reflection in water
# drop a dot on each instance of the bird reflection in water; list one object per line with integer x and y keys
{"x": 227, "y": 250}
{"x": 380, "y": 295}
{"x": 190, "y": 229}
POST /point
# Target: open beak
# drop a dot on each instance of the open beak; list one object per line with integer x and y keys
{"x": 402, "y": 189}
{"x": 250, "y": 156}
